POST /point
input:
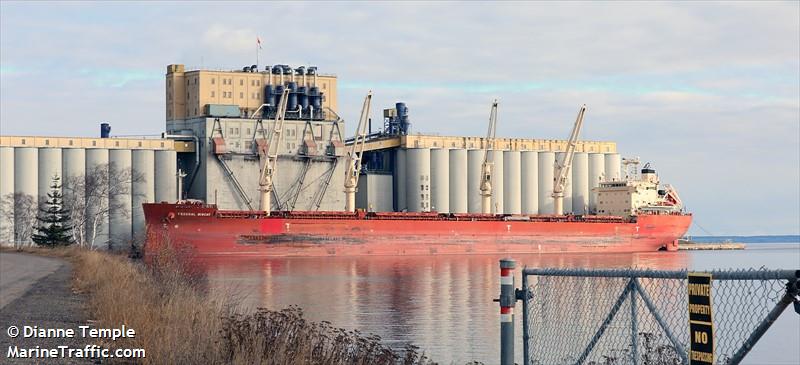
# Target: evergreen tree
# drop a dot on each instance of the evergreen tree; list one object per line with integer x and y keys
{"x": 53, "y": 229}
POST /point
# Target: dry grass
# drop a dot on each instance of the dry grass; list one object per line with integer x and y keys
{"x": 177, "y": 322}
{"x": 174, "y": 321}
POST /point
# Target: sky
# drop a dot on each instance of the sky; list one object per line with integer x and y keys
{"x": 709, "y": 93}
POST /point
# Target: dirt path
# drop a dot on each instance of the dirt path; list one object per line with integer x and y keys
{"x": 36, "y": 291}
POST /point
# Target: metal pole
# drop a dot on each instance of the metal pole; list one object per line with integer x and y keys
{"x": 634, "y": 330}
{"x": 507, "y": 302}
{"x": 788, "y": 297}
{"x": 526, "y": 334}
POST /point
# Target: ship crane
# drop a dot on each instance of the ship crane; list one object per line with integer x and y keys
{"x": 561, "y": 168}
{"x": 354, "y": 157}
{"x": 265, "y": 183}
{"x": 486, "y": 167}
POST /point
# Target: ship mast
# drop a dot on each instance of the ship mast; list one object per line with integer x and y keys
{"x": 354, "y": 157}
{"x": 265, "y": 183}
{"x": 561, "y": 168}
{"x": 486, "y": 167}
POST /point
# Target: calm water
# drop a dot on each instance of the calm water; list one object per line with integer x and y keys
{"x": 444, "y": 304}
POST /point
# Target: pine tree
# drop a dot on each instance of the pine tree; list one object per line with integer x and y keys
{"x": 53, "y": 229}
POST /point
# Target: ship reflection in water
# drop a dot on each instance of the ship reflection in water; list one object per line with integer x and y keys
{"x": 443, "y": 304}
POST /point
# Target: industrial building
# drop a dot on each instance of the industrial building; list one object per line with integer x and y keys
{"x": 218, "y": 124}
{"x": 189, "y": 93}
{"x": 28, "y": 164}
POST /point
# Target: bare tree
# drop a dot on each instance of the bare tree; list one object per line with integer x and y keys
{"x": 21, "y": 209}
{"x": 91, "y": 199}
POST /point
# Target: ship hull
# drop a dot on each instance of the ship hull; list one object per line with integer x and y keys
{"x": 206, "y": 231}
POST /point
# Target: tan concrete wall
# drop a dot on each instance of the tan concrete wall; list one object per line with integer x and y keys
{"x": 505, "y": 144}
{"x": 82, "y": 142}
{"x": 189, "y": 92}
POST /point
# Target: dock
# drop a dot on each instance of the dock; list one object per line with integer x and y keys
{"x": 685, "y": 245}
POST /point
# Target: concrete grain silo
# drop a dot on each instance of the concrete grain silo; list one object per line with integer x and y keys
{"x": 567, "y": 186}
{"x": 26, "y": 186}
{"x": 6, "y": 196}
{"x": 529, "y": 181}
{"x": 474, "y": 162}
{"x": 596, "y": 173}
{"x": 142, "y": 190}
{"x": 613, "y": 166}
{"x": 580, "y": 183}
{"x": 418, "y": 180}
{"x": 97, "y": 203}
{"x": 440, "y": 180}
{"x": 512, "y": 189}
{"x": 120, "y": 201}
{"x": 498, "y": 192}
{"x": 400, "y": 177}
{"x": 49, "y": 167}
{"x": 165, "y": 176}
{"x": 546, "y": 163}
{"x": 458, "y": 181}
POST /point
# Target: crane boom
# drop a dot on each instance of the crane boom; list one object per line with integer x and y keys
{"x": 271, "y": 162}
{"x": 354, "y": 156}
{"x": 561, "y": 168}
{"x": 486, "y": 167}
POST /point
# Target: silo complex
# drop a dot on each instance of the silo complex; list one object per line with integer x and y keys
{"x": 418, "y": 180}
{"x": 440, "y": 180}
{"x": 512, "y": 182}
{"x": 529, "y": 179}
{"x": 458, "y": 181}
{"x": 110, "y": 204}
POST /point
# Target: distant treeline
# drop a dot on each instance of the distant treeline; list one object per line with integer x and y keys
{"x": 749, "y": 239}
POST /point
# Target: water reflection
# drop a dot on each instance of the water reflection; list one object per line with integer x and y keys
{"x": 441, "y": 303}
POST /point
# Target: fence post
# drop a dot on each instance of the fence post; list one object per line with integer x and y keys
{"x": 507, "y": 301}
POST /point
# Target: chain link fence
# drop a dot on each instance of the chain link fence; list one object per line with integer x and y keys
{"x": 610, "y": 317}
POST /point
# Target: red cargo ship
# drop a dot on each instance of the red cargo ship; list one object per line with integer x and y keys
{"x": 209, "y": 231}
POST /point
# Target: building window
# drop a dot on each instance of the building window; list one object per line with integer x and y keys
{"x": 241, "y": 95}
{"x": 236, "y": 131}
{"x": 212, "y": 81}
{"x": 258, "y": 82}
{"x": 241, "y": 82}
{"x": 70, "y": 142}
{"x": 230, "y": 130}
{"x": 212, "y": 94}
{"x": 248, "y": 131}
{"x": 46, "y": 142}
